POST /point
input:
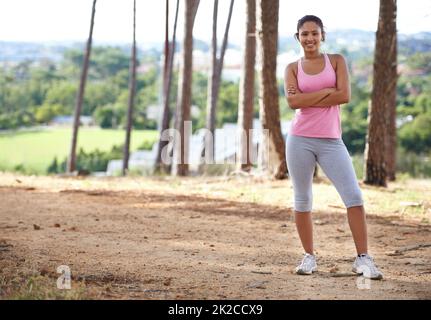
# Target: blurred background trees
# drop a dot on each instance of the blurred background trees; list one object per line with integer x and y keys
{"x": 33, "y": 92}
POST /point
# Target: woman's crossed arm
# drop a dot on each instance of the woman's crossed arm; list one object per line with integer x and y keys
{"x": 323, "y": 98}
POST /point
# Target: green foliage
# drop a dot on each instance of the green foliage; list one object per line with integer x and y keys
{"x": 95, "y": 160}
{"x": 62, "y": 93}
{"x": 99, "y": 94}
{"x": 34, "y": 286}
{"x": 415, "y": 165}
{"x": 107, "y": 61}
{"x": 16, "y": 119}
{"x": 47, "y": 112}
{"x": 53, "y": 167}
{"x": 199, "y": 99}
{"x": 109, "y": 116}
{"x": 104, "y": 62}
{"x": 33, "y": 92}
{"x": 420, "y": 61}
{"x": 34, "y": 150}
{"x": 92, "y": 161}
{"x": 354, "y": 117}
{"x": 227, "y": 104}
{"x": 415, "y": 136}
{"x": 146, "y": 145}
{"x": 29, "y": 86}
{"x": 354, "y": 132}
{"x": 414, "y": 95}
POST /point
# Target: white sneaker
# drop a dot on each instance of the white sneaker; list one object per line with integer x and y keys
{"x": 307, "y": 266}
{"x": 364, "y": 265}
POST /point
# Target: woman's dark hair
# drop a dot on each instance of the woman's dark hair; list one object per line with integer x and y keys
{"x": 308, "y": 18}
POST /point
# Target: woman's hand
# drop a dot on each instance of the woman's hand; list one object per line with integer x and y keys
{"x": 291, "y": 90}
{"x": 297, "y": 99}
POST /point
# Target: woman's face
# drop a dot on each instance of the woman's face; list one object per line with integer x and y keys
{"x": 310, "y": 36}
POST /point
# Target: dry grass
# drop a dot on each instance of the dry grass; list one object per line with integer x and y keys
{"x": 379, "y": 201}
{"x": 201, "y": 238}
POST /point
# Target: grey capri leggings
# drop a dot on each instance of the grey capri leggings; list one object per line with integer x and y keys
{"x": 334, "y": 159}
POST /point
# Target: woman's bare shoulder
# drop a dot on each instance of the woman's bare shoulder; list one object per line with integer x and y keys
{"x": 335, "y": 59}
{"x": 292, "y": 66}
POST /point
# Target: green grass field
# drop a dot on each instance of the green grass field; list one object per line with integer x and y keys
{"x": 36, "y": 149}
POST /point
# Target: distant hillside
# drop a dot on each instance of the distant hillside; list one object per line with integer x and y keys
{"x": 20, "y": 51}
{"x": 359, "y": 40}
{"x": 419, "y": 42}
{"x": 352, "y": 40}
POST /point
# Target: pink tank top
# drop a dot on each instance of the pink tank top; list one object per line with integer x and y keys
{"x": 317, "y": 122}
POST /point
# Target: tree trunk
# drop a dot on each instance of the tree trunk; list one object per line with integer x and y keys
{"x": 166, "y": 49}
{"x": 392, "y": 97}
{"x": 246, "y": 88}
{"x": 384, "y": 86}
{"x": 163, "y": 152}
{"x": 181, "y": 144}
{"x": 391, "y": 154}
{"x": 208, "y": 150}
{"x": 214, "y": 79}
{"x": 272, "y": 151}
{"x": 131, "y": 100}
{"x": 71, "y": 163}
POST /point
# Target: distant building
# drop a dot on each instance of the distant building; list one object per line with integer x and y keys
{"x": 225, "y": 149}
{"x": 85, "y": 121}
{"x": 232, "y": 62}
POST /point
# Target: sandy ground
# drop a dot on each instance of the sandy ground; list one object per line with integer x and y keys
{"x": 165, "y": 238}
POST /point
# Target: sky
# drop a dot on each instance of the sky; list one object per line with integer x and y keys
{"x": 68, "y": 20}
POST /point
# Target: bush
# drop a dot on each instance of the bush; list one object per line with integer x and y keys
{"x": 46, "y": 112}
{"x": 16, "y": 119}
{"x": 20, "y": 168}
{"x": 417, "y": 166}
{"x": 146, "y": 145}
{"x": 53, "y": 167}
{"x": 88, "y": 161}
{"x": 415, "y": 136}
{"x": 109, "y": 116}
{"x": 408, "y": 163}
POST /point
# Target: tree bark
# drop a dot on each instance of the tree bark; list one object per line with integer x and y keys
{"x": 131, "y": 100}
{"x": 162, "y": 146}
{"x": 392, "y": 136}
{"x": 246, "y": 88}
{"x": 392, "y": 98}
{"x": 71, "y": 163}
{"x": 214, "y": 79}
{"x": 208, "y": 149}
{"x": 272, "y": 157}
{"x": 380, "y": 115}
{"x": 181, "y": 144}
{"x": 166, "y": 48}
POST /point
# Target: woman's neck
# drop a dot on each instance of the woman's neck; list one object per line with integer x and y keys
{"x": 312, "y": 55}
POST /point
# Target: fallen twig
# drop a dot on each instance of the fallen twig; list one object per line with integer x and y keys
{"x": 341, "y": 275}
{"x": 257, "y": 285}
{"x": 261, "y": 272}
{"x": 335, "y": 206}
{"x": 409, "y": 248}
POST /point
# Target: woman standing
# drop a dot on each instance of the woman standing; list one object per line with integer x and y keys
{"x": 315, "y": 86}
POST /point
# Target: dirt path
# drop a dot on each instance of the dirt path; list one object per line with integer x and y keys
{"x": 165, "y": 241}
